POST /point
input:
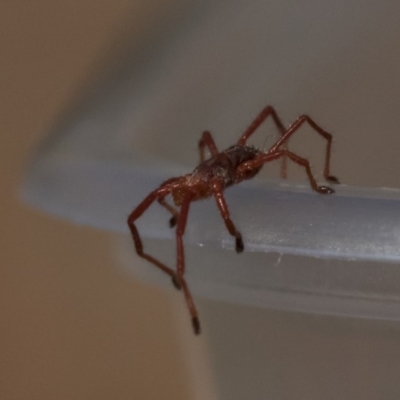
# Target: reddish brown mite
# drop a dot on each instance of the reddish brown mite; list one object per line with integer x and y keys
{"x": 212, "y": 176}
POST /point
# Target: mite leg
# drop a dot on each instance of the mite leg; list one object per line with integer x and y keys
{"x": 223, "y": 208}
{"x": 294, "y": 127}
{"x": 136, "y": 213}
{"x": 264, "y": 114}
{"x": 179, "y": 279}
{"x": 172, "y": 210}
{"x": 267, "y": 157}
{"x": 207, "y": 140}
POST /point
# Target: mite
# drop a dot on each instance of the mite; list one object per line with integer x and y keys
{"x": 211, "y": 177}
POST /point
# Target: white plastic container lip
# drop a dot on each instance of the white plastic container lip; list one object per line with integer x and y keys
{"x": 353, "y": 223}
{"x": 329, "y": 254}
{"x": 304, "y": 251}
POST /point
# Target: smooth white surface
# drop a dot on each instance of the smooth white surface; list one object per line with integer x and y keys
{"x": 215, "y": 70}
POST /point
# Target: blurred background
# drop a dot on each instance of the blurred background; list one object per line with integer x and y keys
{"x": 72, "y": 325}
{"x": 75, "y": 327}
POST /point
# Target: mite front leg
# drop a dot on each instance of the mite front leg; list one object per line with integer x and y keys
{"x": 306, "y": 164}
{"x": 179, "y": 279}
{"x": 207, "y": 140}
{"x": 294, "y": 127}
{"x": 223, "y": 208}
{"x": 136, "y": 213}
{"x": 267, "y": 157}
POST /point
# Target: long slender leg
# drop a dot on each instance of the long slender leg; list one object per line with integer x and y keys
{"x": 270, "y": 156}
{"x": 294, "y": 127}
{"x": 175, "y": 213}
{"x": 171, "y": 209}
{"x": 136, "y": 213}
{"x": 180, "y": 230}
{"x": 264, "y": 114}
{"x": 207, "y": 140}
{"x": 180, "y": 280}
{"x": 223, "y": 208}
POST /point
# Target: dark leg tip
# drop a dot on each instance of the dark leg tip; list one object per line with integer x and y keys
{"x": 239, "y": 244}
{"x": 325, "y": 190}
{"x": 196, "y": 325}
{"x": 176, "y": 283}
{"x": 173, "y": 221}
{"x": 333, "y": 179}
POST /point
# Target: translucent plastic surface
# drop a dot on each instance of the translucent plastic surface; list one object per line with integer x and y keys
{"x": 143, "y": 124}
{"x": 353, "y": 224}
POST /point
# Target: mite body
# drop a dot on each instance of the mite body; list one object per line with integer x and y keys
{"x": 211, "y": 177}
{"x": 221, "y": 168}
